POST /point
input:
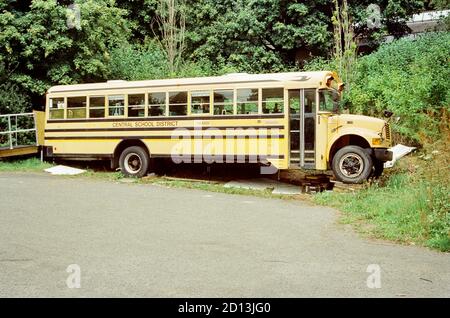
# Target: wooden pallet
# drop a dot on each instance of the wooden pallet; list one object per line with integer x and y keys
{"x": 344, "y": 187}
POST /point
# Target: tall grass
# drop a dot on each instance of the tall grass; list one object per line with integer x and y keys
{"x": 24, "y": 165}
{"x": 411, "y": 206}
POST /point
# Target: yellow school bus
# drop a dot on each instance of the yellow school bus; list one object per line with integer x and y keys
{"x": 281, "y": 121}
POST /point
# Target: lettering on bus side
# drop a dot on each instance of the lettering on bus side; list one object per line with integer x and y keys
{"x": 144, "y": 124}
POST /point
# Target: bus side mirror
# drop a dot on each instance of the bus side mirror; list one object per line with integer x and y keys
{"x": 388, "y": 114}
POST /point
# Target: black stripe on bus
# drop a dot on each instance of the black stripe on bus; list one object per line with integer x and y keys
{"x": 160, "y": 128}
{"x": 164, "y": 137}
{"x": 82, "y": 156}
{"x": 236, "y": 158}
{"x": 165, "y": 118}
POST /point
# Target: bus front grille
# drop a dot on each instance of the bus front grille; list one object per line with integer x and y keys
{"x": 387, "y": 128}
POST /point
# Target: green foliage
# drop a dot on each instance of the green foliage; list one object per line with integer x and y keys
{"x": 274, "y": 35}
{"x": 130, "y": 62}
{"x": 410, "y": 78}
{"x": 345, "y": 47}
{"x": 39, "y": 49}
{"x": 257, "y": 36}
{"x": 141, "y": 16}
{"x": 411, "y": 206}
{"x": 12, "y": 99}
{"x": 26, "y": 165}
{"x": 135, "y": 62}
{"x": 319, "y": 64}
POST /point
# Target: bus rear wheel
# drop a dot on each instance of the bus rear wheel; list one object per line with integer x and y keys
{"x": 134, "y": 162}
{"x": 352, "y": 164}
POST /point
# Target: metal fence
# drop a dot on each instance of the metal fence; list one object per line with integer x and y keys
{"x": 18, "y": 130}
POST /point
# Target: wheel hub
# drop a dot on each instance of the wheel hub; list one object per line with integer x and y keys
{"x": 351, "y": 165}
{"x": 133, "y": 163}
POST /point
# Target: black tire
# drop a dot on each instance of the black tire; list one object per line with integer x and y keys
{"x": 378, "y": 167}
{"x": 134, "y": 162}
{"x": 352, "y": 164}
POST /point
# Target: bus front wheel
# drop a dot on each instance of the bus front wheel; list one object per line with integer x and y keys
{"x": 352, "y": 164}
{"x": 134, "y": 162}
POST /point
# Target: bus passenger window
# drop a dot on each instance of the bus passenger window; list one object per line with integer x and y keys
{"x": 136, "y": 105}
{"x": 177, "y": 103}
{"x": 223, "y": 102}
{"x": 97, "y": 107}
{"x": 156, "y": 104}
{"x": 247, "y": 101}
{"x": 76, "y": 107}
{"x": 200, "y": 102}
{"x": 57, "y": 108}
{"x": 273, "y": 100}
{"x": 116, "y": 105}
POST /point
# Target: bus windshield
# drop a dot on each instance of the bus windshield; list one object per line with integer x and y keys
{"x": 329, "y": 100}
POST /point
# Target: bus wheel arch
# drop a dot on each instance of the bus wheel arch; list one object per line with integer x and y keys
{"x": 124, "y": 144}
{"x": 347, "y": 140}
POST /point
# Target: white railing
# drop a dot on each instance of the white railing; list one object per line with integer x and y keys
{"x": 13, "y": 129}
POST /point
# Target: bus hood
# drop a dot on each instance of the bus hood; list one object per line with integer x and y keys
{"x": 360, "y": 121}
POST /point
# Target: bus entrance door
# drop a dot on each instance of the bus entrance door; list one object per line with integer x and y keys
{"x": 302, "y": 117}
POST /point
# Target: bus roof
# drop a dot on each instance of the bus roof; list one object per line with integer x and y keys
{"x": 308, "y": 79}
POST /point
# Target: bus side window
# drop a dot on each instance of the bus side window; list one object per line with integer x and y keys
{"x": 57, "y": 108}
{"x": 97, "y": 106}
{"x": 247, "y": 101}
{"x": 200, "y": 102}
{"x": 116, "y": 105}
{"x": 223, "y": 102}
{"x": 136, "y": 105}
{"x": 156, "y": 104}
{"x": 273, "y": 100}
{"x": 76, "y": 107}
{"x": 177, "y": 103}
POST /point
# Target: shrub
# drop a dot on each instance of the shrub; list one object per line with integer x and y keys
{"x": 410, "y": 78}
{"x": 411, "y": 206}
{"x": 133, "y": 62}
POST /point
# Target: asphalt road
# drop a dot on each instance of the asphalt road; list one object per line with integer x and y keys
{"x": 140, "y": 240}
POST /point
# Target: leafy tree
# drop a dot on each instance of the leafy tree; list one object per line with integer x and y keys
{"x": 12, "y": 99}
{"x": 39, "y": 48}
{"x": 135, "y": 62}
{"x": 146, "y": 62}
{"x": 388, "y": 17}
{"x": 263, "y": 35}
{"x": 141, "y": 16}
{"x": 257, "y": 35}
